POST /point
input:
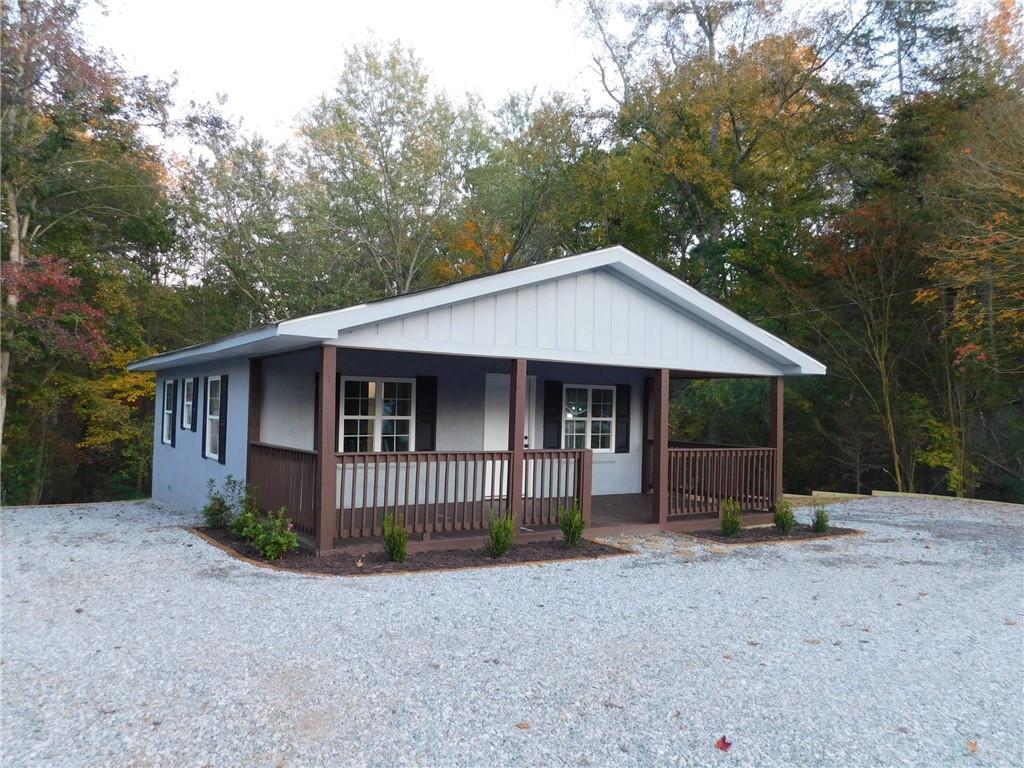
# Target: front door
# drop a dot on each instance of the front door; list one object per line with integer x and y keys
{"x": 497, "y": 391}
{"x": 496, "y": 404}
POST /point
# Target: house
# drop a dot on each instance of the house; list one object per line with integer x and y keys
{"x": 515, "y": 392}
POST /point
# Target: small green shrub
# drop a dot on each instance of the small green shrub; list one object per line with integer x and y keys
{"x": 274, "y": 535}
{"x": 217, "y": 512}
{"x": 783, "y": 517}
{"x": 246, "y": 525}
{"x": 572, "y": 524}
{"x": 732, "y": 518}
{"x": 396, "y": 538}
{"x": 820, "y": 522}
{"x": 500, "y": 534}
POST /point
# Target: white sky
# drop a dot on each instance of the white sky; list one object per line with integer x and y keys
{"x": 273, "y": 60}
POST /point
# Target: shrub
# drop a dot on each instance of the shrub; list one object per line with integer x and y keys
{"x": 217, "y": 512}
{"x": 396, "y": 538}
{"x": 246, "y": 525}
{"x": 820, "y": 522}
{"x": 500, "y": 534}
{"x": 783, "y": 517}
{"x": 274, "y": 535}
{"x": 732, "y": 518}
{"x": 572, "y": 524}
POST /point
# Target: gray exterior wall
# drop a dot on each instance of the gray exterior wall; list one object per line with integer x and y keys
{"x": 181, "y": 472}
{"x": 289, "y": 383}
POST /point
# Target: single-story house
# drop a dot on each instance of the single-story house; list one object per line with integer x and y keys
{"x": 518, "y": 392}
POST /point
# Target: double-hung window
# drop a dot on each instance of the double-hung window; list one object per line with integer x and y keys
{"x": 213, "y": 416}
{"x": 377, "y": 415}
{"x": 167, "y": 427}
{"x": 188, "y": 400}
{"x": 588, "y": 417}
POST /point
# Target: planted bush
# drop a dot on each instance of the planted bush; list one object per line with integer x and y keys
{"x": 783, "y": 517}
{"x": 732, "y": 518}
{"x": 274, "y": 535}
{"x": 217, "y": 512}
{"x": 572, "y": 524}
{"x": 396, "y": 538}
{"x": 500, "y": 534}
{"x": 820, "y": 522}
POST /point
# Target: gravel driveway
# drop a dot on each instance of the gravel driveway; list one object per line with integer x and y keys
{"x": 128, "y": 641}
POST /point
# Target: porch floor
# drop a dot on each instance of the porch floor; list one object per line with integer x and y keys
{"x": 621, "y": 509}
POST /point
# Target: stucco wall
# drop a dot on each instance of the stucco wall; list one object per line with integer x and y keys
{"x": 289, "y": 384}
{"x": 180, "y": 473}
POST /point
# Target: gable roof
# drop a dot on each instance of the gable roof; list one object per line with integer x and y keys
{"x": 376, "y": 324}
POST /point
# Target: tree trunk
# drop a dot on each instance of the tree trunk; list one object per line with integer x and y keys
{"x": 17, "y": 226}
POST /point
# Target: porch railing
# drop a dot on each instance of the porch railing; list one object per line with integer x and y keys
{"x": 700, "y": 479}
{"x": 286, "y": 477}
{"x": 448, "y": 491}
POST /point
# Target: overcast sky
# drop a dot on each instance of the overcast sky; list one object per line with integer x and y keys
{"x": 273, "y": 60}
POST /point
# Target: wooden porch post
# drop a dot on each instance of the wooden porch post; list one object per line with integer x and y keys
{"x": 255, "y": 409}
{"x": 516, "y": 436}
{"x": 775, "y": 404}
{"x": 327, "y": 463}
{"x": 660, "y": 457}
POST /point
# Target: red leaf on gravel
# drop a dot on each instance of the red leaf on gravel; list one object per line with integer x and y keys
{"x": 972, "y": 746}
{"x": 723, "y": 744}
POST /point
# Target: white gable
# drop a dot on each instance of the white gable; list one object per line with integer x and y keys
{"x": 595, "y": 316}
{"x": 607, "y": 307}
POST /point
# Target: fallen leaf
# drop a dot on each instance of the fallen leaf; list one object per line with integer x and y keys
{"x": 1011, "y": 623}
{"x": 922, "y": 594}
{"x": 612, "y": 705}
{"x": 678, "y": 713}
{"x": 359, "y": 563}
{"x": 723, "y": 744}
{"x": 813, "y": 641}
{"x": 753, "y": 642}
{"x": 903, "y": 729}
{"x": 972, "y": 745}
{"x": 727, "y": 656}
{"x": 523, "y": 726}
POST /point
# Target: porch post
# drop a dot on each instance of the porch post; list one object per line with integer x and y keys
{"x": 255, "y": 408}
{"x": 775, "y": 427}
{"x": 327, "y": 464}
{"x": 660, "y": 457}
{"x": 516, "y": 436}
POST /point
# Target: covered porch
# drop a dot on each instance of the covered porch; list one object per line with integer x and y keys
{"x": 443, "y": 472}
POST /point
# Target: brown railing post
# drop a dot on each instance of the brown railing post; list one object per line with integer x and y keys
{"x": 327, "y": 464}
{"x": 775, "y": 403}
{"x": 660, "y": 460}
{"x": 585, "y": 489}
{"x": 516, "y": 436}
{"x": 255, "y": 407}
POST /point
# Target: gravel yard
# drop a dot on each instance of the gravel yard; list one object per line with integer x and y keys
{"x": 128, "y": 641}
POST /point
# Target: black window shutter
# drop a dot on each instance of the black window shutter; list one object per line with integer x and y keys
{"x": 622, "y": 418}
{"x": 206, "y": 395}
{"x": 174, "y": 411}
{"x": 223, "y": 424}
{"x": 426, "y": 413}
{"x": 195, "y": 402}
{"x": 552, "y": 414}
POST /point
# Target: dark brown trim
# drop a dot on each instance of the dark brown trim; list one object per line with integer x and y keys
{"x": 516, "y": 434}
{"x": 775, "y": 402}
{"x": 660, "y": 452}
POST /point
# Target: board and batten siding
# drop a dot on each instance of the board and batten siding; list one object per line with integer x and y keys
{"x": 181, "y": 472}
{"x": 595, "y": 317}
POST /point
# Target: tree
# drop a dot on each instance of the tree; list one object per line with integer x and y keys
{"x": 382, "y": 164}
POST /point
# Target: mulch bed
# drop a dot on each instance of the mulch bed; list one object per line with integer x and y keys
{"x": 768, "y": 535}
{"x": 376, "y": 562}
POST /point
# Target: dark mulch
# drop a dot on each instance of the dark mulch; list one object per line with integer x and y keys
{"x": 344, "y": 564}
{"x": 766, "y": 535}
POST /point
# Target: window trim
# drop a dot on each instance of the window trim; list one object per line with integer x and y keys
{"x": 208, "y": 420}
{"x": 590, "y": 417}
{"x": 188, "y": 403}
{"x": 378, "y": 415}
{"x": 167, "y": 414}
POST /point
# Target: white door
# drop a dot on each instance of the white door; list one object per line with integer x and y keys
{"x": 496, "y": 403}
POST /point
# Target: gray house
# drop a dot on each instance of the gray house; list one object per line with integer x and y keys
{"x": 515, "y": 392}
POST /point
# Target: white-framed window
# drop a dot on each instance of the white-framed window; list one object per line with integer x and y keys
{"x": 588, "y": 417}
{"x": 212, "y": 416}
{"x": 167, "y": 433}
{"x": 377, "y": 415}
{"x": 188, "y": 403}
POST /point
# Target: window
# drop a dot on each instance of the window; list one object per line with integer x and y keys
{"x": 167, "y": 435}
{"x": 377, "y": 415}
{"x": 588, "y": 417}
{"x": 188, "y": 398}
{"x": 213, "y": 418}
